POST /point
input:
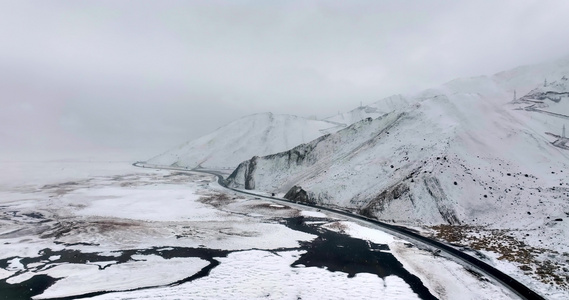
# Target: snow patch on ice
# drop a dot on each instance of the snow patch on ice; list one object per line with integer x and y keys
{"x": 261, "y": 275}
{"x": 360, "y": 232}
{"x": 80, "y": 279}
{"x": 313, "y": 214}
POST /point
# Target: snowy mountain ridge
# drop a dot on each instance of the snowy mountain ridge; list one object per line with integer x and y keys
{"x": 263, "y": 134}
{"x": 373, "y": 110}
{"x": 258, "y": 134}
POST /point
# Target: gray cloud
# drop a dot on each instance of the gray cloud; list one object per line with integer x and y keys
{"x": 151, "y": 74}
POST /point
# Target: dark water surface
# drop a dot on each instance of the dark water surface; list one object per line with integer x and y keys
{"x": 340, "y": 252}
{"x": 25, "y": 290}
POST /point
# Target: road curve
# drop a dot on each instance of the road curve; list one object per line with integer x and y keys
{"x": 515, "y": 286}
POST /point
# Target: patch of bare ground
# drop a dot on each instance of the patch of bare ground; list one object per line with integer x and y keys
{"x": 338, "y": 226}
{"x": 217, "y": 200}
{"x": 134, "y": 180}
{"x": 178, "y": 177}
{"x": 546, "y": 265}
{"x": 64, "y": 188}
{"x": 269, "y": 206}
{"x": 64, "y": 228}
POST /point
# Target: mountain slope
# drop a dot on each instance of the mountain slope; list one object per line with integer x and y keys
{"x": 373, "y": 110}
{"x": 258, "y": 134}
{"x": 462, "y": 154}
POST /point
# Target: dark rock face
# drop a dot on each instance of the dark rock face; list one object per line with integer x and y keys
{"x": 296, "y": 193}
{"x": 245, "y": 171}
{"x": 398, "y": 191}
{"x": 244, "y": 174}
{"x": 231, "y": 180}
{"x": 299, "y": 155}
{"x": 250, "y": 173}
{"x": 443, "y": 204}
{"x": 551, "y": 95}
{"x": 401, "y": 191}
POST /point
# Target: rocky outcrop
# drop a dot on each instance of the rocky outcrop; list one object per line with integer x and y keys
{"x": 296, "y": 193}
{"x": 398, "y": 192}
{"x": 244, "y": 175}
{"x": 298, "y": 155}
{"x": 250, "y": 174}
{"x": 443, "y": 204}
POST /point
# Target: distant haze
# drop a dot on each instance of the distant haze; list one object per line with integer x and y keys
{"x": 138, "y": 77}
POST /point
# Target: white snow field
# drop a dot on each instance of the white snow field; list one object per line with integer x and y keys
{"x": 258, "y": 134}
{"x": 133, "y": 233}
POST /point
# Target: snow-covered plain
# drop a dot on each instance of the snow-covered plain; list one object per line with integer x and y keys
{"x": 142, "y": 233}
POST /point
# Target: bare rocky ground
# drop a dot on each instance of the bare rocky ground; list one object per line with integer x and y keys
{"x": 548, "y": 266}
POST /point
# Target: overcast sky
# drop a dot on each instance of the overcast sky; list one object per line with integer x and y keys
{"x": 143, "y": 76}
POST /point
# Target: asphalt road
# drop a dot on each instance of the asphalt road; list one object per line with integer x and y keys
{"x": 437, "y": 247}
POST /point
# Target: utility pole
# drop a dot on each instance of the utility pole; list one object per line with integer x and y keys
{"x": 514, "y": 95}
{"x": 563, "y": 132}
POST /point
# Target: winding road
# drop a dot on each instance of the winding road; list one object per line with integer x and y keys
{"x": 440, "y": 248}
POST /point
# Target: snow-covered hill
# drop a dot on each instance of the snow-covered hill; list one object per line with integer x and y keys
{"x": 258, "y": 134}
{"x": 461, "y": 154}
{"x": 373, "y": 110}
{"x": 263, "y": 134}
{"x": 467, "y": 161}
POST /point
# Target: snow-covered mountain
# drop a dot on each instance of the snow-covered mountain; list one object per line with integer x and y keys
{"x": 461, "y": 153}
{"x": 258, "y": 134}
{"x": 551, "y": 99}
{"x": 263, "y": 134}
{"x": 373, "y": 110}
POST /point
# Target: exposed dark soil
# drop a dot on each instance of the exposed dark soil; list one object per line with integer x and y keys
{"x": 552, "y": 270}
